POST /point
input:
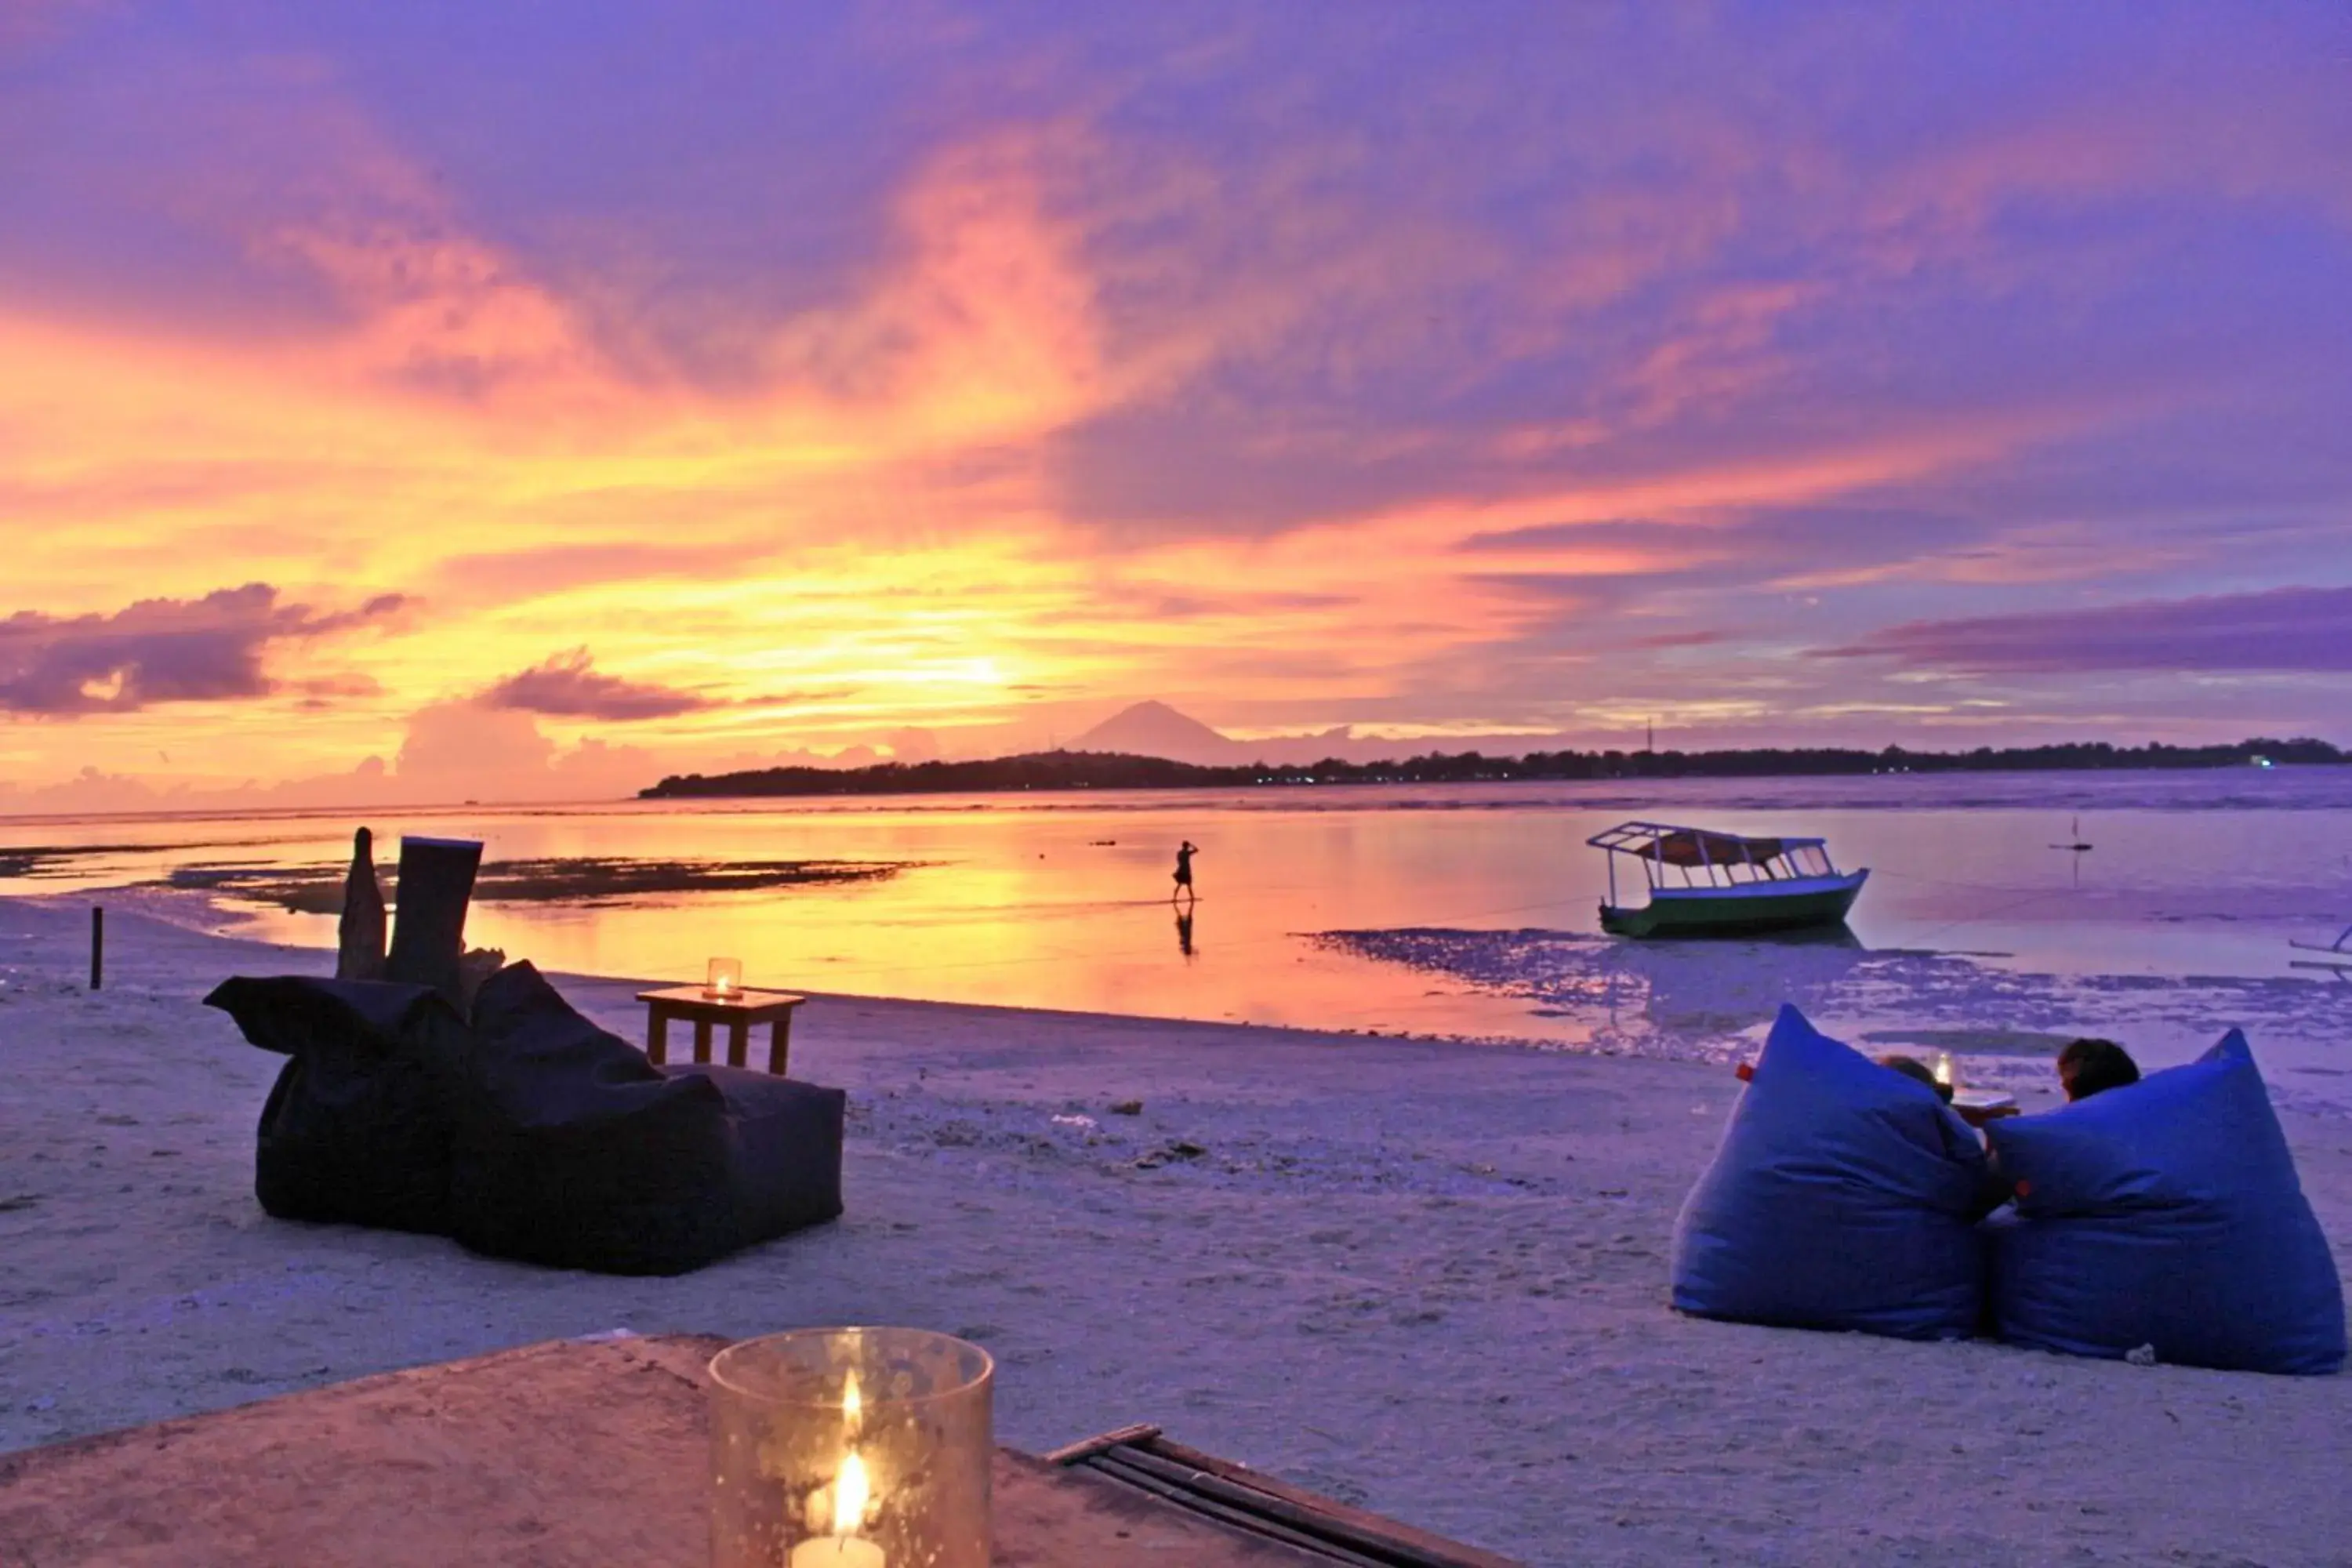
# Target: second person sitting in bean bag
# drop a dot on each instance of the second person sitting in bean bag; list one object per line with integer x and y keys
{"x": 1845, "y": 1195}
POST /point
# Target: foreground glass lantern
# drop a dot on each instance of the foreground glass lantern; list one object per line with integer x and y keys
{"x": 851, "y": 1448}
{"x": 723, "y": 979}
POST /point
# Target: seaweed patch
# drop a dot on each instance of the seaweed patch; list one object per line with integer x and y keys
{"x": 585, "y": 880}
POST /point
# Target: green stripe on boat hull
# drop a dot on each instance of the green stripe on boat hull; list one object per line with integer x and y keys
{"x": 1709, "y": 912}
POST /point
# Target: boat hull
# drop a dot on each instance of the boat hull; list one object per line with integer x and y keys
{"x": 1742, "y": 910}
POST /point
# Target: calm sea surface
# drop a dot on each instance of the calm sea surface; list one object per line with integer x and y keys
{"x": 1474, "y": 907}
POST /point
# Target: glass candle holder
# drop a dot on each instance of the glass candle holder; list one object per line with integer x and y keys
{"x": 723, "y": 978}
{"x": 851, "y": 1448}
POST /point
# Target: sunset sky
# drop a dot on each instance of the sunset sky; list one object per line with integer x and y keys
{"x": 440, "y": 399}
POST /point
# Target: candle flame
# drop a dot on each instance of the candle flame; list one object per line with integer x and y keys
{"x": 849, "y": 1496}
{"x": 1944, "y": 1068}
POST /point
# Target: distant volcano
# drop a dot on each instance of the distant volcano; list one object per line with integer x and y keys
{"x": 1156, "y": 730}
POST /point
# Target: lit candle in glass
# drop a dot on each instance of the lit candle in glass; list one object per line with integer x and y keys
{"x": 724, "y": 980}
{"x": 843, "y": 1549}
{"x": 850, "y": 1448}
{"x": 1944, "y": 1074}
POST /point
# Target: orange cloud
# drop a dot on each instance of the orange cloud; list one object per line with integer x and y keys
{"x": 455, "y": 430}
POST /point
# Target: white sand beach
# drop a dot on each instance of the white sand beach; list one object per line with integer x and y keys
{"x": 1426, "y": 1277}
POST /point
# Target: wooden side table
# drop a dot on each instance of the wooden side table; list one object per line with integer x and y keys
{"x": 739, "y": 1013}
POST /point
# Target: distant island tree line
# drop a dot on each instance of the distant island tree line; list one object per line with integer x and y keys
{"x": 1059, "y": 770}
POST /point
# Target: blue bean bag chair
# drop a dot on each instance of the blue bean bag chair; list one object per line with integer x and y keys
{"x": 2167, "y": 1213}
{"x": 1845, "y": 1195}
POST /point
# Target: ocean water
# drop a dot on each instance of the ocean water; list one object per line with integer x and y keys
{"x": 1466, "y": 909}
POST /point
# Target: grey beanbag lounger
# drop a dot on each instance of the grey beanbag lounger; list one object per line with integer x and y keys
{"x": 531, "y": 1134}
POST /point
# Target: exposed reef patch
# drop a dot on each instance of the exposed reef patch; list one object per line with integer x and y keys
{"x": 318, "y": 889}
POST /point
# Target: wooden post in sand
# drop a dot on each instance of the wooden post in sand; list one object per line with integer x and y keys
{"x": 96, "y": 945}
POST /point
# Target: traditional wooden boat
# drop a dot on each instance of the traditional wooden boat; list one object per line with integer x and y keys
{"x": 2336, "y": 956}
{"x": 1704, "y": 883}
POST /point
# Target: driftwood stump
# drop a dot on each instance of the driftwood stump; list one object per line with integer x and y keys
{"x": 359, "y": 937}
{"x": 428, "y": 940}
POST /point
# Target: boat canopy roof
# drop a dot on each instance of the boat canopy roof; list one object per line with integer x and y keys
{"x": 1674, "y": 846}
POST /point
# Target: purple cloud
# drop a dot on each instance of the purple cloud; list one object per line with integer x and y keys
{"x": 160, "y": 650}
{"x": 568, "y": 686}
{"x": 2278, "y": 629}
{"x": 1679, "y": 639}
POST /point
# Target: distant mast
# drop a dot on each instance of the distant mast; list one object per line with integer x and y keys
{"x": 1650, "y": 738}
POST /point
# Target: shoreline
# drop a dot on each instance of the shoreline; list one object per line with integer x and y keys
{"x": 1463, "y": 912}
{"x": 1084, "y": 768}
{"x": 1563, "y": 990}
{"x": 1612, "y": 789}
{"x": 1433, "y": 1291}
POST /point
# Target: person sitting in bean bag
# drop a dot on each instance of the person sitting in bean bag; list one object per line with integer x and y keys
{"x": 2165, "y": 1220}
{"x": 1843, "y": 1197}
{"x": 2090, "y": 1067}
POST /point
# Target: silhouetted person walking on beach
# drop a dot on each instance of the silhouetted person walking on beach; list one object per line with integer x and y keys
{"x": 1185, "y": 853}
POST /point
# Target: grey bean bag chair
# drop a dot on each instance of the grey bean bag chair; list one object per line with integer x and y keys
{"x": 531, "y": 1134}
{"x": 358, "y": 1127}
{"x": 574, "y": 1150}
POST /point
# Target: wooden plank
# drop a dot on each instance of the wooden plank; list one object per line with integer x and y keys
{"x": 575, "y": 1453}
{"x": 1104, "y": 1444}
{"x": 1051, "y": 1517}
{"x": 1365, "y": 1530}
{"x": 546, "y": 1456}
{"x": 1250, "y": 1521}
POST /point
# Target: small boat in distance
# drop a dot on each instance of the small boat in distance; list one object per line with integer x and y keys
{"x": 1704, "y": 883}
{"x": 2074, "y": 840}
{"x": 2337, "y": 956}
